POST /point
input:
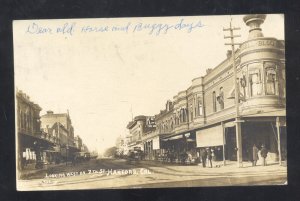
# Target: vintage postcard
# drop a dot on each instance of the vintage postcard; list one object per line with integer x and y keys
{"x": 150, "y": 102}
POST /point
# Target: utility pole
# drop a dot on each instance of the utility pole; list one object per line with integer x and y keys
{"x": 236, "y": 86}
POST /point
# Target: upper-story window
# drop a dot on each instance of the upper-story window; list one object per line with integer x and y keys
{"x": 243, "y": 86}
{"x": 214, "y": 101}
{"x": 255, "y": 82}
{"x": 220, "y": 98}
{"x": 191, "y": 112}
{"x": 195, "y": 106}
{"x": 22, "y": 120}
{"x": 270, "y": 81}
{"x": 183, "y": 115}
{"x": 283, "y": 82}
{"x": 200, "y": 106}
{"x": 177, "y": 117}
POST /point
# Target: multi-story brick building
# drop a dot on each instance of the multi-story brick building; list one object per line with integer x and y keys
{"x": 31, "y": 141}
{"x": 59, "y": 126}
{"x": 137, "y": 128}
{"x": 50, "y": 123}
{"x": 78, "y": 142}
{"x": 205, "y": 114}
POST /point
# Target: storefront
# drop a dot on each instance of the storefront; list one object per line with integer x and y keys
{"x": 267, "y": 131}
{"x": 31, "y": 149}
{"x": 212, "y": 138}
{"x": 152, "y": 148}
{"x": 180, "y": 148}
{"x": 259, "y": 130}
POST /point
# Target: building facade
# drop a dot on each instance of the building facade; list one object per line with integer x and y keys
{"x": 59, "y": 126}
{"x": 42, "y": 139}
{"x": 137, "y": 128}
{"x": 50, "y": 122}
{"x": 78, "y": 142}
{"x": 204, "y": 115}
{"x": 31, "y": 141}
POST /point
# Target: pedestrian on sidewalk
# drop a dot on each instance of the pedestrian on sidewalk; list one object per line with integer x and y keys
{"x": 203, "y": 157}
{"x": 209, "y": 157}
{"x": 213, "y": 155}
{"x": 254, "y": 155}
{"x": 264, "y": 153}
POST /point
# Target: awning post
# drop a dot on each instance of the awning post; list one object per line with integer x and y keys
{"x": 279, "y": 143}
{"x": 223, "y": 129}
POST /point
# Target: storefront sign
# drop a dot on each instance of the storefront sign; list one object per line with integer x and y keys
{"x": 151, "y": 122}
{"x": 156, "y": 144}
{"x": 258, "y": 43}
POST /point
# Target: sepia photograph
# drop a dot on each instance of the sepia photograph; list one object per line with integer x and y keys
{"x": 150, "y": 102}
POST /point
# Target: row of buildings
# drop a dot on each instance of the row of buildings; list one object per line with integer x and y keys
{"x": 48, "y": 138}
{"x": 205, "y": 114}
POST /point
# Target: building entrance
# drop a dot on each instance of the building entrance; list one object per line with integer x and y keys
{"x": 230, "y": 144}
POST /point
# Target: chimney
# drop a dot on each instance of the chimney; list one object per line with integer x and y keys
{"x": 208, "y": 70}
{"x": 49, "y": 112}
{"x": 254, "y": 22}
{"x": 229, "y": 53}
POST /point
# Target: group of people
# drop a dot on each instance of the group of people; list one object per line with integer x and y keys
{"x": 263, "y": 153}
{"x": 207, "y": 156}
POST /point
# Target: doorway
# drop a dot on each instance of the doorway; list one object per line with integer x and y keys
{"x": 230, "y": 144}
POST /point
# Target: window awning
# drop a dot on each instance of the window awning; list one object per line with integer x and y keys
{"x": 210, "y": 137}
{"x": 173, "y": 137}
{"x": 229, "y": 124}
{"x": 231, "y": 95}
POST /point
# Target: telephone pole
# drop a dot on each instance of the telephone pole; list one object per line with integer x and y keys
{"x": 238, "y": 133}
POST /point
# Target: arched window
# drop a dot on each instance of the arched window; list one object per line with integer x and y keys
{"x": 221, "y": 98}
{"x": 255, "y": 82}
{"x": 21, "y": 119}
{"x": 191, "y": 112}
{"x": 195, "y": 106}
{"x": 270, "y": 81}
{"x": 214, "y": 101}
{"x": 200, "y": 107}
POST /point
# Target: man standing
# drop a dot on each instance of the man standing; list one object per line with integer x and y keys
{"x": 254, "y": 155}
{"x": 203, "y": 157}
{"x": 209, "y": 156}
{"x": 264, "y": 153}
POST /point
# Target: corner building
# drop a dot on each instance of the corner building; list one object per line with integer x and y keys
{"x": 204, "y": 115}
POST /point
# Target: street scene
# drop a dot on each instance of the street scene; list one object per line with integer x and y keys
{"x": 118, "y": 173}
{"x": 150, "y": 102}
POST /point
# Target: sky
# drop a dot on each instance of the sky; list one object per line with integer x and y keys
{"x": 104, "y": 70}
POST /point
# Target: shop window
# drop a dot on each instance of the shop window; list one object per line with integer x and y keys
{"x": 214, "y": 101}
{"x": 255, "y": 82}
{"x": 270, "y": 81}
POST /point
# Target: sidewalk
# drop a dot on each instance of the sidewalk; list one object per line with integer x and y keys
{"x": 31, "y": 170}
{"x": 218, "y": 165}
